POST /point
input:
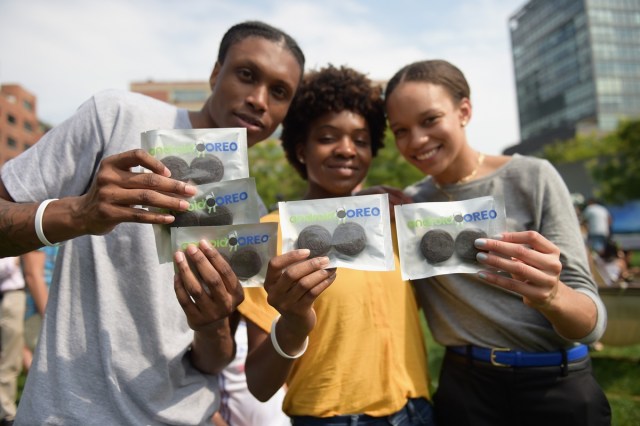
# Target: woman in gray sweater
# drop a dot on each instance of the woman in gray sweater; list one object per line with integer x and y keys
{"x": 515, "y": 341}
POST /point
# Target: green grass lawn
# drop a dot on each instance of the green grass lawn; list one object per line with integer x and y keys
{"x": 617, "y": 370}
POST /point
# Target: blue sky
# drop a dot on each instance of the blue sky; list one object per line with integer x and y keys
{"x": 65, "y": 50}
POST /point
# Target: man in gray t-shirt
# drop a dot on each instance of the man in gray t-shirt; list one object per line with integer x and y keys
{"x": 116, "y": 347}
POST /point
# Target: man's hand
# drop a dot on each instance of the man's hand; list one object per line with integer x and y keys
{"x": 208, "y": 298}
{"x": 116, "y": 191}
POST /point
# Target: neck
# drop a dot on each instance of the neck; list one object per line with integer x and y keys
{"x": 472, "y": 171}
{"x": 202, "y": 119}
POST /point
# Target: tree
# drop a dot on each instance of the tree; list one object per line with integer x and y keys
{"x": 276, "y": 180}
{"x": 390, "y": 168}
{"x": 613, "y": 160}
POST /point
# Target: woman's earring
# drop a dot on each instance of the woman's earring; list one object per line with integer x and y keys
{"x": 300, "y": 159}
{"x": 463, "y": 124}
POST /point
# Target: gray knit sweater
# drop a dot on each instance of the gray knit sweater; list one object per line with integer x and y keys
{"x": 462, "y": 309}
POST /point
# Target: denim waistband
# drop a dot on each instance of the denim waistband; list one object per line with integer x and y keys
{"x": 501, "y": 357}
{"x": 357, "y": 419}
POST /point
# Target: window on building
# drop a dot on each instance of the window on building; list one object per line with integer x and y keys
{"x": 26, "y": 146}
{"x": 11, "y": 119}
{"x": 190, "y": 95}
{"x": 28, "y": 127}
{"x": 12, "y": 143}
{"x": 27, "y": 105}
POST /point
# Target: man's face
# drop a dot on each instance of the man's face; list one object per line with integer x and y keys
{"x": 254, "y": 87}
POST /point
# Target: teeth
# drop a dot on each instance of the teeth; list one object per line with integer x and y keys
{"x": 427, "y": 154}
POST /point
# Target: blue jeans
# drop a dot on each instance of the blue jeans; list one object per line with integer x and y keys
{"x": 417, "y": 412}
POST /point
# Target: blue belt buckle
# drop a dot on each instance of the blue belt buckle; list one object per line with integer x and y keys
{"x": 493, "y": 357}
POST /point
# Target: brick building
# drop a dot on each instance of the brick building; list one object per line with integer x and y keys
{"x": 19, "y": 125}
{"x": 189, "y": 95}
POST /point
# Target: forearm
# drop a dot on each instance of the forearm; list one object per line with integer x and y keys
{"x": 266, "y": 370}
{"x": 573, "y": 314}
{"x": 33, "y": 265}
{"x": 214, "y": 349}
{"x": 17, "y": 225}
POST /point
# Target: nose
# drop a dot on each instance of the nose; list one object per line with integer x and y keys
{"x": 418, "y": 137}
{"x": 346, "y": 147}
{"x": 258, "y": 98}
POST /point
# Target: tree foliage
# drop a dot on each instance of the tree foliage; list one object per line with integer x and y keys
{"x": 613, "y": 160}
{"x": 276, "y": 180}
{"x": 390, "y": 168}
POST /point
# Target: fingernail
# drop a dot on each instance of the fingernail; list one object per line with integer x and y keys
{"x": 324, "y": 261}
{"x": 482, "y": 275}
{"x": 497, "y": 237}
{"x": 480, "y": 242}
{"x": 482, "y": 256}
{"x": 184, "y": 205}
{"x": 189, "y": 189}
{"x": 191, "y": 249}
{"x": 304, "y": 252}
{"x": 204, "y": 243}
{"x": 179, "y": 256}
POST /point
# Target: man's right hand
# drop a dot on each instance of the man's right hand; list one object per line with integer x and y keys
{"x": 116, "y": 193}
{"x": 115, "y": 196}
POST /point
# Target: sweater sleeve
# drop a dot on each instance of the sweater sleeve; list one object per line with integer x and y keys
{"x": 559, "y": 224}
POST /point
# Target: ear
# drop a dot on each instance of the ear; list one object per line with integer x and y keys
{"x": 214, "y": 75}
{"x": 300, "y": 153}
{"x": 464, "y": 111}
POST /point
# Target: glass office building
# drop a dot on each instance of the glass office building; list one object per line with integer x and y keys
{"x": 577, "y": 68}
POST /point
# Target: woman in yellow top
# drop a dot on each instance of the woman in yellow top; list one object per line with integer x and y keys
{"x": 366, "y": 357}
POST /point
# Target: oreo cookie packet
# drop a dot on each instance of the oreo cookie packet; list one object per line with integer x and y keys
{"x": 200, "y": 156}
{"x": 354, "y": 232}
{"x": 247, "y": 248}
{"x": 215, "y": 204}
{"x": 438, "y": 238}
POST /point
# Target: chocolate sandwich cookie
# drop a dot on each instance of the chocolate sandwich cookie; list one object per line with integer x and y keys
{"x": 206, "y": 169}
{"x": 246, "y": 262}
{"x": 436, "y": 245}
{"x": 184, "y": 219}
{"x": 464, "y": 243}
{"x": 222, "y": 216}
{"x": 315, "y": 238}
{"x": 349, "y": 238}
{"x": 178, "y": 167}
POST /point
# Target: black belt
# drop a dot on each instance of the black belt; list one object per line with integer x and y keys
{"x": 501, "y": 357}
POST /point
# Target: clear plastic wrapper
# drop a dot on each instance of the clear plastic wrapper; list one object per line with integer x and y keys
{"x": 200, "y": 156}
{"x": 215, "y": 204}
{"x": 438, "y": 238}
{"x": 247, "y": 248}
{"x": 354, "y": 232}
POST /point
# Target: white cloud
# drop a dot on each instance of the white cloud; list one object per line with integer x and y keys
{"x": 64, "y": 51}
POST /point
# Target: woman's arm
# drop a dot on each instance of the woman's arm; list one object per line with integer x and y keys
{"x": 292, "y": 284}
{"x": 33, "y": 270}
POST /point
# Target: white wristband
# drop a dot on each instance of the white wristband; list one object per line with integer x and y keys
{"x": 39, "y": 232}
{"x": 276, "y": 346}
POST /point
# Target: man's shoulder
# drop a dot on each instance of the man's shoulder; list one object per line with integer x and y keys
{"x": 124, "y": 99}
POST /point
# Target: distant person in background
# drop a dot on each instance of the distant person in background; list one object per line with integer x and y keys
{"x": 11, "y": 335}
{"x": 598, "y": 221}
{"x": 37, "y": 267}
{"x": 615, "y": 262}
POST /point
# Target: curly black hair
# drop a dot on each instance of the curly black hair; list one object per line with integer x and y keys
{"x": 332, "y": 89}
